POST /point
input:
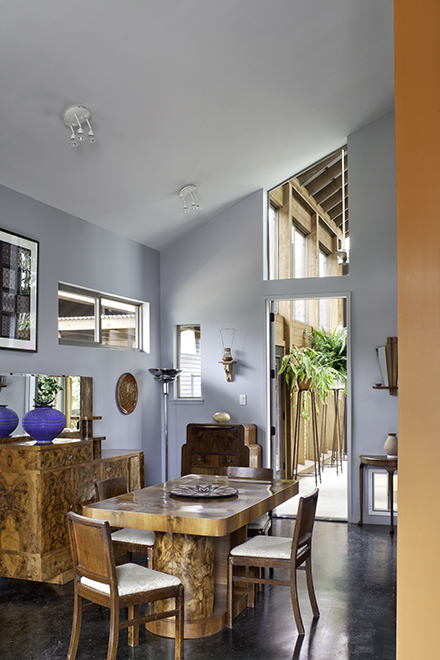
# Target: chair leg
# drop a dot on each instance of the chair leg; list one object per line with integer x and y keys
{"x": 178, "y": 644}
{"x": 114, "y": 634}
{"x": 230, "y": 596}
{"x": 311, "y": 588}
{"x": 252, "y": 587}
{"x": 133, "y": 631}
{"x": 150, "y": 555}
{"x": 295, "y": 603}
{"x": 76, "y": 626}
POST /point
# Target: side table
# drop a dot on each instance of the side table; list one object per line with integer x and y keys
{"x": 390, "y": 465}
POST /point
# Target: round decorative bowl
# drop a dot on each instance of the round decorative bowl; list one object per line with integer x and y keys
{"x": 221, "y": 417}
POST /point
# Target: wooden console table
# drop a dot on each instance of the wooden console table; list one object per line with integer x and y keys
{"x": 39, "y": 484}
{"x": 388, "y": 464}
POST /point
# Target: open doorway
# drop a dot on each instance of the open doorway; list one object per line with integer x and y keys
{"x": 309, "y": 434}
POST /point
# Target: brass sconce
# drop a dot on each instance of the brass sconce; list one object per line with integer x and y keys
{"x": 227, "y": 336}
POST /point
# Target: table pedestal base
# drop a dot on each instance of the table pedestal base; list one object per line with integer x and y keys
{"x": 199, "y": 562}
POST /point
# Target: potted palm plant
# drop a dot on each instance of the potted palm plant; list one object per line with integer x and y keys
{"x": 318, "y": 368}
{"x": 332, "y": 348}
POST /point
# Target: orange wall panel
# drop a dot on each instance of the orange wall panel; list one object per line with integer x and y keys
{"x": 417, "y": 96}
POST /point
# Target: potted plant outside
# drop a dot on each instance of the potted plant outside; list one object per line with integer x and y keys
{"x": 44, "y": 423}
{"x": 332, "y": 348}
{"x": 319, "y": 368}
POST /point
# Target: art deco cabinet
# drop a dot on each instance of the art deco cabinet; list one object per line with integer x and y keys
{"x": 39, "y": 484}
{"x": 212, "y": 448}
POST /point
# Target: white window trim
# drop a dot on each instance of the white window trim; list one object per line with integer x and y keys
{"x": 143, "y": 319}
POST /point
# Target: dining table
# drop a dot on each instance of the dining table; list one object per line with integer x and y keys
{"x": 197, "y": 520}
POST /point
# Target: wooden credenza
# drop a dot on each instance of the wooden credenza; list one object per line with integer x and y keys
{"x": 212, "y": 448}
{"x": 39, "y": 484}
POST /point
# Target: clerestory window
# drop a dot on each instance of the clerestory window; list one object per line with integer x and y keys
{"x": 90, "y": 318}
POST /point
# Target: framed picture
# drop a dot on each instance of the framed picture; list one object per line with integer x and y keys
{"x": 19, "y": 285}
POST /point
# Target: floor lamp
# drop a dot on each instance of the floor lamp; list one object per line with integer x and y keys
{"x": 165, "y": 376}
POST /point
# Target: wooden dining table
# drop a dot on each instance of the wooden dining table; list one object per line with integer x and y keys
{"x": 193, "y": 538}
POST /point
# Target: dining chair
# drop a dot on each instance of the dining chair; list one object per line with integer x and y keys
{"x": 125, "y": 539}
{"x": 263, "y": 523}
{"x": 98, "y": 580}
{"x": 278, "y": 552}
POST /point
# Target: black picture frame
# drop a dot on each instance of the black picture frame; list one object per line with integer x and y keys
{"x": 19, "y": 291}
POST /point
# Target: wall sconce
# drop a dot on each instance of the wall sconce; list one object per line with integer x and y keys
{"x": 227, "y": 336}
{"x": 75, "y": 118}
{"x": 188, "y": 195}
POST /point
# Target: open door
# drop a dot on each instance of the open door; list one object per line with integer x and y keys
{"x": 317, "y": 446}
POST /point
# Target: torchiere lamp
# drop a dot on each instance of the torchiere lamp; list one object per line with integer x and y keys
{"x": 165, "y": 376}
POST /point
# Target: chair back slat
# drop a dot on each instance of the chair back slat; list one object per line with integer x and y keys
{"x": 305, "y": 520}
{"x": 111, "y": 488}
{"x": 92, "y": 549}
{"x": 250, "y": 473}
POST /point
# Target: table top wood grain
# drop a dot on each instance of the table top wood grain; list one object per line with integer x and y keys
{"x": 153, "y": 507}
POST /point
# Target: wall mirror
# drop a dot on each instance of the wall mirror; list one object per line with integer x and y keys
{"x": 18, "y": 391}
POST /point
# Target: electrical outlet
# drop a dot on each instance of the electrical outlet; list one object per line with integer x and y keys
{"x": 243, "y": 400}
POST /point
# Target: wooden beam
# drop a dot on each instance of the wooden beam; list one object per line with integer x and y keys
{"x": 334, "y": 199}
{"x": 331, "y": 188}
{"x": 313, "y": 171}
{"x": 325, "y": 178}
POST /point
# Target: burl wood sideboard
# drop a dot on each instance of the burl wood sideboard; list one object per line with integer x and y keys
{"x": 212, "y": 448}
{"x": 39, "y": 484}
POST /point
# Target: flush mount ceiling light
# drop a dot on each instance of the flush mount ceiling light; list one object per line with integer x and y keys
{"x": 75, "y": 118}
{"x": 188, "y": 195}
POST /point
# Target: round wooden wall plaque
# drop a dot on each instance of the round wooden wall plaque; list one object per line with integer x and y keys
{"x": 127, "y": 393}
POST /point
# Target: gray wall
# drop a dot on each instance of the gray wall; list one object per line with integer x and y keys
{"x": 77, "y": 252}
{"x": 214, "y": 276}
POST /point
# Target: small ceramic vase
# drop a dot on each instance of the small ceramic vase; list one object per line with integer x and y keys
{"x": 390, "y": 445}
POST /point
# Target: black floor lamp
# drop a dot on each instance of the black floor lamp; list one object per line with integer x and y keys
{"x": 165, "y": 376}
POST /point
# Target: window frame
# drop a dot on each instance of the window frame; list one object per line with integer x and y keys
{"x": 297, "y": 230}
{"x": 178, "y": 386}
{"x": 142, "y": 319}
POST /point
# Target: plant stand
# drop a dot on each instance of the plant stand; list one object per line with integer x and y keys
{"x": 315, "y": 435}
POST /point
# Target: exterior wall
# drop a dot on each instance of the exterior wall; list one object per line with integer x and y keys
{"x": 214, "y": 276}
{"x": 417, "y": 58}
{"x": 77, "y": 252}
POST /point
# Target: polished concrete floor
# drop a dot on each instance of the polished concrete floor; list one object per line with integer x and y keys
{"x": 355, "y": 582}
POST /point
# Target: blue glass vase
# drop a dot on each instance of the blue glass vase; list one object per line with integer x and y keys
{"x": 44, "y": 423}
{"x": 8, "y": 421}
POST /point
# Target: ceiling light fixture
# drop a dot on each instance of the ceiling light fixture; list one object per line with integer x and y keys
{"x": 75, "y": 118}
{"x": 188, "y": 195}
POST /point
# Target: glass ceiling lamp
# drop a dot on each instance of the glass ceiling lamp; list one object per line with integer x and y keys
{"x": 75, "y": 118}
{"x": 188, "y": 195}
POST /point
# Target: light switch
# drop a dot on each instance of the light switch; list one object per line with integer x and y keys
{"x": 243, "y": 400}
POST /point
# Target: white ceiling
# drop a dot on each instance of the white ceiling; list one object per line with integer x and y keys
{"x": 231, "y": 95}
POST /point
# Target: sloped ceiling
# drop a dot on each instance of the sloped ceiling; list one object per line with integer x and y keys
{"x": 232, "y": 95}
